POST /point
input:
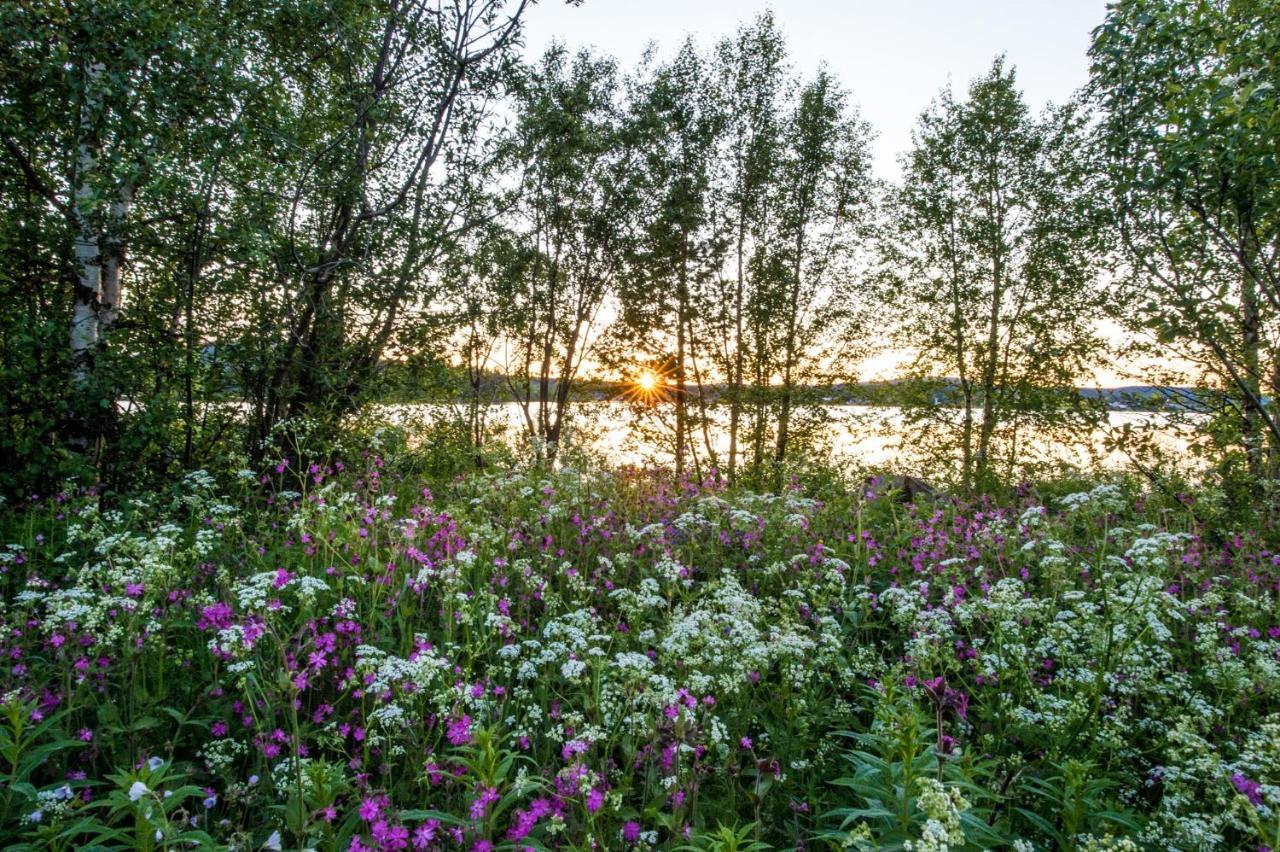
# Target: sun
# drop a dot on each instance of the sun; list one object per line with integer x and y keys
{"x": 646, "y": 387}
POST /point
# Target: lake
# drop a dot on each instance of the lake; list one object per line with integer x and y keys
{"x": 852, "y": 435}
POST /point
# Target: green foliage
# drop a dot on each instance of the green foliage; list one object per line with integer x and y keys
{"x": 903, "y": 784}
{"x": 152, "y": 806}
{"x": 989, "y": 266}
{"x": 1082, "y": 800}
{"x": 584, "y": 653}
{"x": 27, "y": 743}
{"x": 727, "y": 839}
{"x": 1189, "y": 94}
{"x": 221, "y": 219}
{"x": 210, "y": 161}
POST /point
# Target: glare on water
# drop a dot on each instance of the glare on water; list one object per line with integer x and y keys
{"x": 857, "y": 435}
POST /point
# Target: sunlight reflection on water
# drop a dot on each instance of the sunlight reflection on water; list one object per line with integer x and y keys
{"x": 854, "y": 435}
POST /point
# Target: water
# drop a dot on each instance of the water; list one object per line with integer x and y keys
{"x": 853, "y": 435}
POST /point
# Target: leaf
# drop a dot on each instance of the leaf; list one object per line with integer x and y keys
{"x": 421, "y": 815}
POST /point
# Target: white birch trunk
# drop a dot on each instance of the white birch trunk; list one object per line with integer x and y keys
{"x": 85, "y": 329}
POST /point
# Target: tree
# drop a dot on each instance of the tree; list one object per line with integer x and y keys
{"x": 274, "y": 180}
{"x": 751, "y": 83}
{"x": 990, "y": 257}
{"x": 402, "y": 92}
{"x": 1190, "y": 98}
{"x": 101, "y": 103}
{"x": 575, "y": 221}
{"x": 474, "y": 271}
{"x": 824, "y": 201}
{"x": 664, "y": 303}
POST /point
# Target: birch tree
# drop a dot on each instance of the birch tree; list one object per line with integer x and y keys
{"x": 1190, "y": 98}
{"x": 991, "y": 258}
{"x": 97, "y": 102}
{"x": 576, "y": 222}
{"x": 666, "y": 301}
{"x": 751, "y": 78}
{"x": 824, "y": 204}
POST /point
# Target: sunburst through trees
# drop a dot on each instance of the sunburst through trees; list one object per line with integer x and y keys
{"x": 648, "y": 387}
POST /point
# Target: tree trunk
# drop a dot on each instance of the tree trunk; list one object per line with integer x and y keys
{"x": 988, "y": 426}
{"x": 99, "y": 249}
{"x": 1251, "y": 343}
{"x": 962, "y": 366}
{"x": 735, "y": 384}
{"x": 86, "y": 301}
{"x": 784, "y": 413}
{"x": 760, "y": 408}
{"x": 195, "y": 265}
{"x": 966, "y": 449}
{"x": 113, "y": 249}
{"x": 704, "y": 420}
{"x": 789, "y": 356}
{"x": 1273, "y": 455}
{"x": 682, "y": 302}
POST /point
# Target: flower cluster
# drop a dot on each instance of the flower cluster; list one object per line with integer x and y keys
{"x": 627, "y": 659}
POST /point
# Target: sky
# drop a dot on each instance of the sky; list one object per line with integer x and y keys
{"x": 894, "y": 55}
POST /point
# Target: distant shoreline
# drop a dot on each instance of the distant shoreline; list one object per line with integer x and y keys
{"x": 1146, "y": 398}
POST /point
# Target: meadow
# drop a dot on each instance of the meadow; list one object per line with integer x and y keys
{"x": 437, "y": 425}
{"x": 345, "y": 656}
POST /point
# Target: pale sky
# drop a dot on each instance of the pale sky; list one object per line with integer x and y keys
{"x": 893, "y": 56}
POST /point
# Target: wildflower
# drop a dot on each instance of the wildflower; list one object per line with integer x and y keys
{"x": 371, "y": 808}
{"x": 390, "y": 836}
{"x": 1247, "y": 787}
{"x": 631, "y": 831}
{"x": 137, "y": 791}
{"x": 459, "y": 731}
{"x": 215, "y": 617}
{"x": 571, "y": 748}
{"x": 526, "y": 819}
{"x": 425, "y": 833}
{"x": 480, "y": 805}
